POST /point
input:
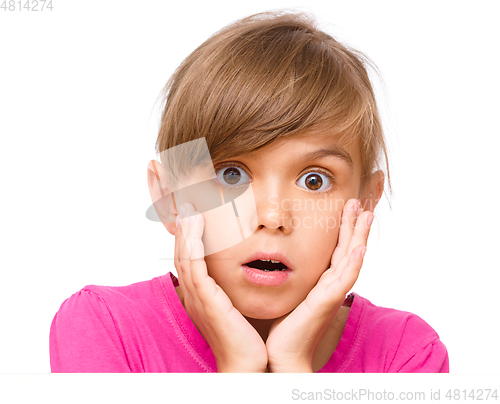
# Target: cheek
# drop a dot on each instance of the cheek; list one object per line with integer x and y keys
{"x": 319, "y": 236}
{"x": 318, "y": 224}
{"x": 221, "y": 230}
{"x": 222, "y": 266}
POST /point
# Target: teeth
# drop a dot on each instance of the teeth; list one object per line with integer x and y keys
{"x": 274, "y": 262}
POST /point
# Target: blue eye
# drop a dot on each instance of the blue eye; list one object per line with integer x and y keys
{"x": 232, "y": 176}
{"x": 315, "y": 181}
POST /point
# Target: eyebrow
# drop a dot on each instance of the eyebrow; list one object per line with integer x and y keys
{"x": 335, "y": 151}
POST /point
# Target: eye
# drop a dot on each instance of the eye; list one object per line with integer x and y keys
{"x": 315, "y": 181}
{"x": 232, "y": 176}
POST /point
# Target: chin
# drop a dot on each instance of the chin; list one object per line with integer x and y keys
{"x": 263, "y": 312}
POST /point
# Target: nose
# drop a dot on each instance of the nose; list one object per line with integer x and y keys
{"x": 273, "y": 211}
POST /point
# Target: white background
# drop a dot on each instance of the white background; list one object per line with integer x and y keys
{"x": 78, "y": 124}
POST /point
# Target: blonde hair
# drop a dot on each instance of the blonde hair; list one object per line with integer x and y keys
{"x": 268, "y": 76}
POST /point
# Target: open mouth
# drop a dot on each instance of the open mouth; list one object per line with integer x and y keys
{"x": 267, "y": 265}
{"x": 267, "y": 269}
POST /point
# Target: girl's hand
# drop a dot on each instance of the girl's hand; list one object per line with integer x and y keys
{"x": 293, "y": 338}
{"x": 236, "y": 345}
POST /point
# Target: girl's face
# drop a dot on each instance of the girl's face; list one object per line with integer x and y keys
{"x": 300, "y": 187}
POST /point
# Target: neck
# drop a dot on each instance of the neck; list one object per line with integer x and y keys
{"x": 261, "y": 326}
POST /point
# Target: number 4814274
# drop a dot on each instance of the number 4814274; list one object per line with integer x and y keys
{"x": 26, "y": 5}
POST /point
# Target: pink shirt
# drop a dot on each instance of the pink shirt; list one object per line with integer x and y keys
{"x": 143, "y": 327}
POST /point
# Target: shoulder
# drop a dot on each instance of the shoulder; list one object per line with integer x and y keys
{"x": 394, "y": 322}
{"x": 406, "y": 341}
{"x": 94, "y": 301}
{"x": 97, "y": 328}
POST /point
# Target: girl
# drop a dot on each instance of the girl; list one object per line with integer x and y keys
{"x": 271, "y": 153}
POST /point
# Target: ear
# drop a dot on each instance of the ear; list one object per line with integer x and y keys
{"x": 161, "y": 196}
{"x": 372, "y": 190}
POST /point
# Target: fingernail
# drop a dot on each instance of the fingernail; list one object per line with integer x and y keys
{"x": 177, "y": 221}
{"x": 363, "y": 253}
{"x": 369, "y": 221}
{"x": 356, "y": 206}
{"x": 183, "y": 210}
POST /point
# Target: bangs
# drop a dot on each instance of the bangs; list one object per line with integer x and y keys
{"x": 264, "y": 78}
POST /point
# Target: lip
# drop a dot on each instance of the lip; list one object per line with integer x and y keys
{"x": 262, "y": 278}
{"x": 276, "y": 256}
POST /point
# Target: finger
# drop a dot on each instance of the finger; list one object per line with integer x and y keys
{"x": 203, "y": 285}
{"x": 181, "y": 264}
{"x": 198, "y": 267}
{"x": 193, "y": 231}
{"x": 359, "y": 237}
{"x": 180, "y": 270}
{"x": 183, "y": 259}
{"x": 349, "y": 274}
{"x": 361, "y": 231}
{"x": 348, "y": 220}
{"x": 177, "y": 246}
{"x": 351, "y": 271}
